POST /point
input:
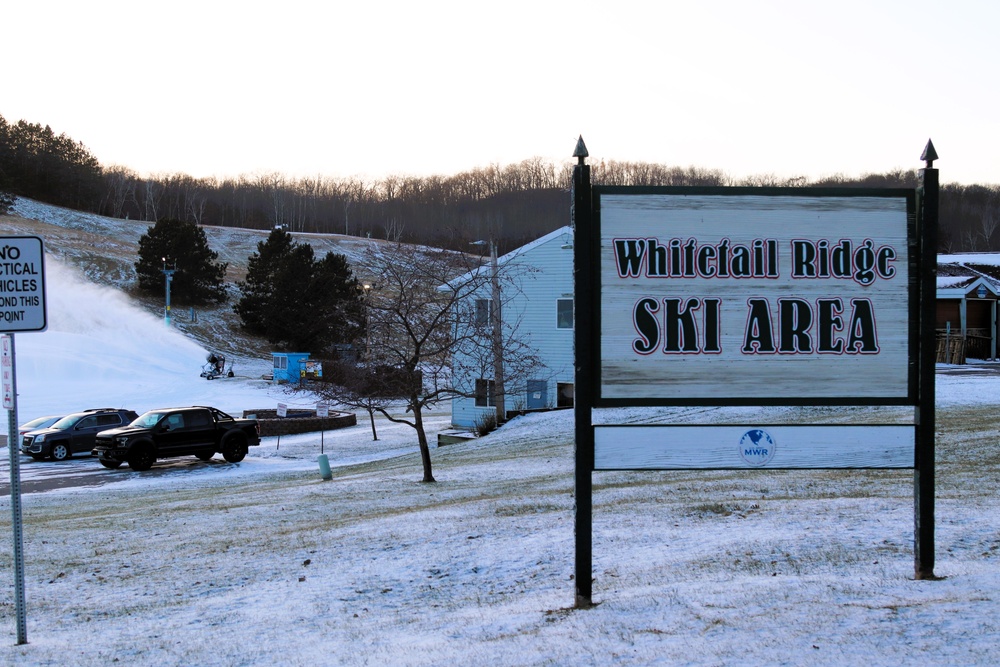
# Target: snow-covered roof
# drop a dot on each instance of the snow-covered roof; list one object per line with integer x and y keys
{"x": 958, "y": 287}
{"x": 959, "y": 275}
{"x": 565, "y": 231}
{"x": 953, "y": 281}
{"x": 984, "y": 258}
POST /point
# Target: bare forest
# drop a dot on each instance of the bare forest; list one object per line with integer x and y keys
{"x": 512, "y": 204}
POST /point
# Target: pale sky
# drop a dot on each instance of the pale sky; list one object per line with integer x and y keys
{"x": 378, "y": 87}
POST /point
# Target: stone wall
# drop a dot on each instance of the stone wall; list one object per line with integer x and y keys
{"x": 298, "y": 421}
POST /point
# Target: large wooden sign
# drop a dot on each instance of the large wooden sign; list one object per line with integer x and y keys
{"x": 753, "y": 298}
{"x": 756, "y": 297}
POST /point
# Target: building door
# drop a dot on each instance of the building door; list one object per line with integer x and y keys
{"x": 538, "y": 391}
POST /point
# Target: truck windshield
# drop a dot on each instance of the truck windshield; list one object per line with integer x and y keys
{"x": 148, "y": 420}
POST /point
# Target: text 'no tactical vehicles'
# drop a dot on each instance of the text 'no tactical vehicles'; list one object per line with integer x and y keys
{"x": 158, "y": 434}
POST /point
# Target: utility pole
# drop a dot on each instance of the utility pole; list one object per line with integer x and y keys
{"x": 496, "y": 320}
{"x": 498, "y": 388}
{"x": 368, "y": 323}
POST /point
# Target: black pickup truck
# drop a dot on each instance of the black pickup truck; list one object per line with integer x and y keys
{"x": 158, "y": 434}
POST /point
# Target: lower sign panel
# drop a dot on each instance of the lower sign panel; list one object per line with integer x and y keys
{"x": 783, "y": 446}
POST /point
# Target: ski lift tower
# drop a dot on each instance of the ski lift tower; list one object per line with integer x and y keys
{"x": 169, "y": 275}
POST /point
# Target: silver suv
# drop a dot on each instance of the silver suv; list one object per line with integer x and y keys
{"x": 73, "y": 433}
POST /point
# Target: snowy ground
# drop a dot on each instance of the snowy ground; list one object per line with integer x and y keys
{"x": 264, "y": 563}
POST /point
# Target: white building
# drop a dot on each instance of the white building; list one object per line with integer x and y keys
{"x": 537, "y": 310}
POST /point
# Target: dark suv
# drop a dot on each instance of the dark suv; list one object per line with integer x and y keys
{"x": 73, "y": 433}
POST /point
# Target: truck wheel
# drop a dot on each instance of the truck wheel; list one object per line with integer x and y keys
{"x": 234, "y": 448}
{"x": 60, "y": 451}
{"x": 141, "y": 457}
{"x": 112, "y": 465}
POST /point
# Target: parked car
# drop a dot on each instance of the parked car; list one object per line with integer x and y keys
{"x": 34, "y": 425}
{"x": 193, "y": 431}
{"x": 73, "y": 433}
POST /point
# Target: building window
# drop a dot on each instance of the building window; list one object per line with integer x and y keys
{"x": 564, "y": 391}
{"x": 484, "y": 312}
{"x": 484, "y": 394}
{"x": 108, "y": 420}
{"x": 564, "y": 313}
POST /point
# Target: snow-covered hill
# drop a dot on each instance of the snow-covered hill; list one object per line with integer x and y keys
{"x": 105, "y": 346}
{"x": 104, "y": 250}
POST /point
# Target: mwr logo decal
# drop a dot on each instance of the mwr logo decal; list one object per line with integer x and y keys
{"x": 757, "y": 447}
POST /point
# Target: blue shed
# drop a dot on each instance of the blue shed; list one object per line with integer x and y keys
{"x": 290, "y": 366}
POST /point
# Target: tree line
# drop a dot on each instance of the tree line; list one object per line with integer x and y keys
{"x": 36, "y": 162}
{"x": 516, "y": 203}
{"x": 512, "y": 204}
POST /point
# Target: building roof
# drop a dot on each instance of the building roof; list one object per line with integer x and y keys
{"x": 960, "y": 274}
{"x": 565, "y": 231}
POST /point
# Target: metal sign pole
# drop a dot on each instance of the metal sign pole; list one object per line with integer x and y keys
{"x": 23, "y": 309}
{"x": 9, "y": 368}
{"x": 583, "y": 383}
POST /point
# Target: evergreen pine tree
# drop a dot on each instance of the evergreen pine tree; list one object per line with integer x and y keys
{"x": 183, "y": 246}
{"x": 297, "y": 302}
{"x": 257, "y": 290}
{"x": 333, "y": 310}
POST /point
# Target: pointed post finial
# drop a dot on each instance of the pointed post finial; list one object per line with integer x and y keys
{"x": 580, "y": 152}
{"x": 929, "y": 154}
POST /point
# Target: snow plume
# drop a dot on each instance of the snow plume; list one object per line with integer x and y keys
{"x": 98, "y": 351}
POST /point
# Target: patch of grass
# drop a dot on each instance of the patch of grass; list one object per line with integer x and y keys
{"x": 486, "y": 423}
{"x": 527, "y": 509}
{"x": 717, "y": 509}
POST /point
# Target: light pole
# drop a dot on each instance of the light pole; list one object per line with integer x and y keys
{"x": 368, "y": 323}
{"x": 497, "y": 322}
{"x": 169, "y": 275}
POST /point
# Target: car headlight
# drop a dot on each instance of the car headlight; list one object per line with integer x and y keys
{"x": 39, "y": 438}
{"x": 121, "y": 440}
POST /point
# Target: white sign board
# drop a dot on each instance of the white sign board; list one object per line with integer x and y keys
{"x": 22, "y": 284}
{"x": 749, "y": 297}
{"x": 752, "y": 447}
{"x": 282, "y": 410}
{"x": 322, "y": 410}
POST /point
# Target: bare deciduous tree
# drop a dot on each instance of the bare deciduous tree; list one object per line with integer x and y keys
{"x": 152, "y": 193}
{"x": 988, "y": 225}
{"x": 969, "y": 240}
{"x": 414, "y": 328}
{"x": 120, "y": 185}
{"x": 367, "y": 387}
